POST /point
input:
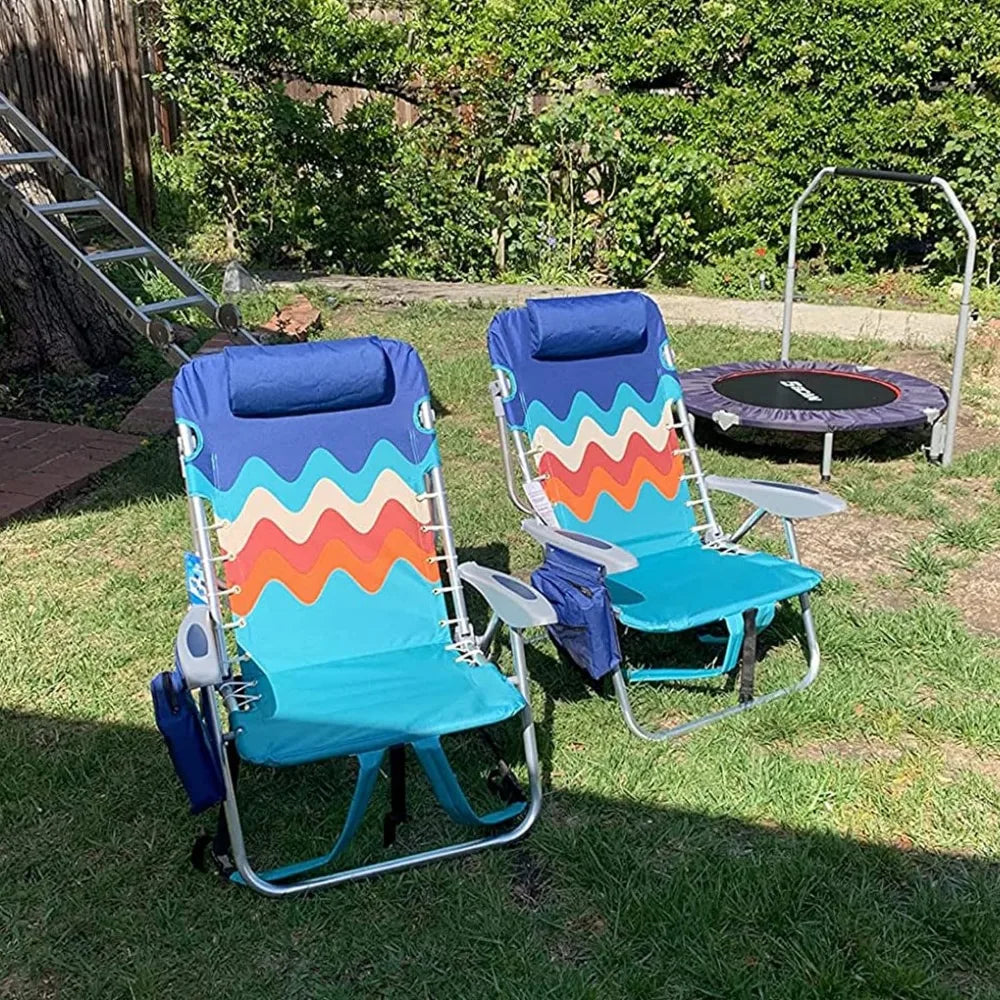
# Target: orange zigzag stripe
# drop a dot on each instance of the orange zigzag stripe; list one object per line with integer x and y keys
{"x": 331, "y": 524}
{"x": 603, "y": 479}
{"x": 335, "y": 555}
{"x": 595, "y": 457}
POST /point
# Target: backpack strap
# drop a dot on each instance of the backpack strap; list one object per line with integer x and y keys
{"x": 368, "y": 769}
{"x": 448, "y": 791}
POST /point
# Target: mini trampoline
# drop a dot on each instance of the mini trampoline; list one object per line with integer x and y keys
{"x": 815, "y": 397}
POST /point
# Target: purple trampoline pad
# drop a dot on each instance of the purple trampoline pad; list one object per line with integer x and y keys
{"x": 810, "y": 396}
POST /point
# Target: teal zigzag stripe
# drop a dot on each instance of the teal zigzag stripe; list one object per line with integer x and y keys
{"x": 320, "y": 465}
{"x": 344, "y": 621}
{"x": 539, "y": 415}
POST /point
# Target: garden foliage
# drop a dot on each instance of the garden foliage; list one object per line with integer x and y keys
{"x": 619, "y": 140}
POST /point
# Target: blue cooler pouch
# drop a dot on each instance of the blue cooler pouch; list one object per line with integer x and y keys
{"x": 586, "y": 630}
{"x": 188, "y": 742}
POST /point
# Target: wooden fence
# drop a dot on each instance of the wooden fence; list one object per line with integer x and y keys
{"x": 80, "y": 69}
{"x": 76, "y": 67}
{"x": 340, "y": 100}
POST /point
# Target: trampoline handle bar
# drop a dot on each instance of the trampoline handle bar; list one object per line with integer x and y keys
{"x": 793, "y": 236}
{"x": 965, "y": 307}
{"x": 883, "y": 175}
{"x": 964, "y": 315}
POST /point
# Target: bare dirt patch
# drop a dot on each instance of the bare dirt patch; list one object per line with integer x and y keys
{"x": 531, "y": 883}
{"x": 974, "y": 436}
{"x": 347, "y": 318}
{"x": 964, "y": 497}
{"x": 865, "y": 548}
{"x": 957, "y": 759}
{"x": 574, "y": 945}
{"x": 923, "y": 364}
{"x": 983, "y": 366}
{"x": 870, "y": 750}
{"x": 975, "y": 592}
{"x": 17, "y": 987}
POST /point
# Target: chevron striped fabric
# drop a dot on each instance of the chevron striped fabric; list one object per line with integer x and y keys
{"x": 321, "y": 516}
{"x": 600, "y": 428}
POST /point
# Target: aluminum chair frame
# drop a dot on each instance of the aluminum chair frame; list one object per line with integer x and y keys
{"x": 464, "y": 635}
{"x": 711, "y": 534}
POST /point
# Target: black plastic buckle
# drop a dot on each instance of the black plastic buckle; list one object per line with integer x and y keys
{"x": 397, "y": 794}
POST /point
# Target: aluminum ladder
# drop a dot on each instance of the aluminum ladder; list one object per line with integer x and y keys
{"x": 150, "y": 320}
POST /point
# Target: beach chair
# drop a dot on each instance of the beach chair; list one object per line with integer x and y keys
{"x": 598, "y": 449}
{"x": 327, "y": 616}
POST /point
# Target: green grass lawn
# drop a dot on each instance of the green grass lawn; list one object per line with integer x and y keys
{"x": 843, "y": 843}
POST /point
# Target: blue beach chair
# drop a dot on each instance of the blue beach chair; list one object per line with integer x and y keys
{"x": 586, "y": 392}
{"x": 329, "y": 634}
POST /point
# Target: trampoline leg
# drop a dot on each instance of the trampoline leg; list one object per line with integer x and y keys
{"x": 827, "y": 464}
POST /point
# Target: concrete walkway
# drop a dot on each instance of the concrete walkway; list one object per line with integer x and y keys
{"x": 918, "y": 329}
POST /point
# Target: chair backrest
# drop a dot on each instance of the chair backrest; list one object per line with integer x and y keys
{"x": 315, "y": 460}
{"x": 592, "y": 384}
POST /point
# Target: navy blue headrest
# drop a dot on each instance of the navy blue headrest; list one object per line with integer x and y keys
{"x": 587, "y": 326}
{"x": 307, "y": 378}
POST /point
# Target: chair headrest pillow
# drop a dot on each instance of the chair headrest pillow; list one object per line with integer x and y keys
{"x": 587, "y": 326}
{"x": 289, "y": 379}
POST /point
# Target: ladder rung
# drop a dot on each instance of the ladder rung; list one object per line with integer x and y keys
{"x": 66, "y": 207}
{"x": 169, "y": 305}
{"x": 127, "y": 253}
{"x": 33, "y": 157}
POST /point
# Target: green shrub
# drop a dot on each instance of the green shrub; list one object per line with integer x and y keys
{"x": 677, "y": 133}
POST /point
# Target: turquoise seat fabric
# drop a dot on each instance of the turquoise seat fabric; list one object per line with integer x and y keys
{"x": 602, "y": 427}
{"x": 367, "y": 703}
{"x": 316, "y": 465}
{"x": 681, "y": 588}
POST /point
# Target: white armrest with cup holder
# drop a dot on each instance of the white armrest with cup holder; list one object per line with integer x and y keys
{"x": 612, "y": 557}
{"x": 781, "y": 499}
{"x": 513, "y": 601}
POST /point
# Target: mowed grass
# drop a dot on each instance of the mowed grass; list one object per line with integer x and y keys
{"x": 843, "y": 843}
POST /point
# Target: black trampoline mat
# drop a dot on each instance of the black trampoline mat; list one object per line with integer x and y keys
{"x": 805, "y": 389}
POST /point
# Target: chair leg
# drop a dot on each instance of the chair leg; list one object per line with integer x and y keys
{"x": 672, "y": 732}
{"x": 748, "y": 655}
{"x": 277, "y": 889}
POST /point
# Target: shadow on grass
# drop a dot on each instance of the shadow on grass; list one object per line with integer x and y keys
{"x": 607, "y": 897}
{"x": 562, "y": 680}
{"x": 151, "y": 473}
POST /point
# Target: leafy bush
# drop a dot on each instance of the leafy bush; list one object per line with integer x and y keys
{"x": 621, "y": 140}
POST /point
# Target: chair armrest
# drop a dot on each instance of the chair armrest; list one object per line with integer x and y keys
{"x": 512, "y": 600}
{"x": 613, "y": 558}
{"x": 780, "y": 499}
{"x": 195, "y": 653}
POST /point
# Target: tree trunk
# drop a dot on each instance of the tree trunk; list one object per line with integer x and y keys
{"x": 49, "y": 317}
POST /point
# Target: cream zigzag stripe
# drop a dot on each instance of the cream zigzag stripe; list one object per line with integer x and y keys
{"x": 326, "y": 495}
{"x": 590, "y": 432}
